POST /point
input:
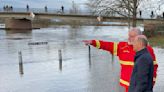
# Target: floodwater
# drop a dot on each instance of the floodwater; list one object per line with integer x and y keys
{"x": 41, "y": 71}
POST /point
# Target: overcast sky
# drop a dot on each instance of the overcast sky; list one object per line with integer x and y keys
{"x": 41, "y": 3}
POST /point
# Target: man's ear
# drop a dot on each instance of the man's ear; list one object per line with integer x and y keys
{"x": 140, "y": 43}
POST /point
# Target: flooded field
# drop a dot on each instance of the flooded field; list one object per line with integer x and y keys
{"x": 41, "y": 71}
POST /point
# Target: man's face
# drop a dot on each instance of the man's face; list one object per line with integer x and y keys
{"x": 131, "y": 38}
{"x": 135, "y": 44}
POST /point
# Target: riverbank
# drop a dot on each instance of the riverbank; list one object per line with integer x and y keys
{"x": 157, "y": 41}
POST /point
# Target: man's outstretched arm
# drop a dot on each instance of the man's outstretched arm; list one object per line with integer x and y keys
{"x": 108, "y": 46}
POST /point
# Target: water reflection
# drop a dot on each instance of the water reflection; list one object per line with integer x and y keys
{"x": 18, "y": 34}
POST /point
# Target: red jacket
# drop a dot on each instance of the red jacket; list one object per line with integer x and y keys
{"x": 126, "y": 54}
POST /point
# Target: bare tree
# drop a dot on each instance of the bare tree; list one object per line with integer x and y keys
{"x": 74, "y": 9}
{"x": 125, "y": 8}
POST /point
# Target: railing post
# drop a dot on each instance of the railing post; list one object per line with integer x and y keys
{"x": 112, "y": 58}
{"x": 60, "y": 59}
{"x": 20, "y": 63}
{"x": 89, "y": 54}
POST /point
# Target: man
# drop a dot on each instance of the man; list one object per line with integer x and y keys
{"x": 27, "y": 7}
{"x": 62, "y": 8}
{"x": 142, "y": 76}
{"x": 125, "y": 53}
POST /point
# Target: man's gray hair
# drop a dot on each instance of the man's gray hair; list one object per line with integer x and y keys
{"x": 137, "y": 30}
{"x": 143, "y": 40}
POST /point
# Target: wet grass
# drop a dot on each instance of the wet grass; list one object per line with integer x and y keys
{"x": 157, "y": 41}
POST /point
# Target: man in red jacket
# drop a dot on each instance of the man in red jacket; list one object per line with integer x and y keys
{"x": 125, "y": 53}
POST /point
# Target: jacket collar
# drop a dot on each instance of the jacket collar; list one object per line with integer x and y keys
{"x": 139, "y": 53}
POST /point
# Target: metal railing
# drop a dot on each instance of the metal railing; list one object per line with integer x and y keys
{"x": 68, "y": 11}
{"x": 50, "y": 10}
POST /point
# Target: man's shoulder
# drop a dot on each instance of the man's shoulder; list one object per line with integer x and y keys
{"x": 150, "y": 48}
{"x": 146, "y": 57}
{"x": 122, "y": 44}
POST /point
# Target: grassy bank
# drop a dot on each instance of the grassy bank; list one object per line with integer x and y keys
{"x": 157, "y": 41}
